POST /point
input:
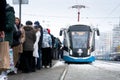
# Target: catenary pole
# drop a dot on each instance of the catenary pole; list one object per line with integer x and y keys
{"x": 20, "y": 2}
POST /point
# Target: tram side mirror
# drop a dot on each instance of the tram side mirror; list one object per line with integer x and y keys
{"x": 65, "y": 48}
{"x": 98, "y": 33}
{"x": 60, "y": 33}
{"x": 93, "y": 48}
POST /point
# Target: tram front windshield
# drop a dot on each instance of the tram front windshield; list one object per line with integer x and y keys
{"x": 79, "y": 39}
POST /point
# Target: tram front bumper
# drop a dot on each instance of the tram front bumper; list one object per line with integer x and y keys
{"x": 78, "y": 59}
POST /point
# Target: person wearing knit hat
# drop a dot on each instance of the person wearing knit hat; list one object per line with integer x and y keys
{"x": 39, "y": 59}
{"x": 28, "y": 23}
{"x": 36, "y": 23}
{"x": 48, "y": 30}
{"x": 28, "y": 60}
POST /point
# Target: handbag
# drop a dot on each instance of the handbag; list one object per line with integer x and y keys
{"x": 12, "y": 67}
{"x": 4, "y": 55}
{"x": 35, "y": 51}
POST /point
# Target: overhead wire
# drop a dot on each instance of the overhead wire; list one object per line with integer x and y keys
{"x": 115, "y": 8}
{"x": 103, "y": 19}
{"x": 88, "y": 17}
{"x": 52, "y": 16}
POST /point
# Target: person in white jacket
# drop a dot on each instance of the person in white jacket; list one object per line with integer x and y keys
{"x": 38, "y": 34}
{"x": 37, "y": 46}
{"x": 36, "y": 53}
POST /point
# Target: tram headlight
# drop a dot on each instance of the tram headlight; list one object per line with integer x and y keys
{"x": 80, "y": 51}
{"x": 71, "y": 52}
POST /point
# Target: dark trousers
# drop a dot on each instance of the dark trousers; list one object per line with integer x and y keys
{"x": 55, "y": 53}
{"x": 28, "y": 61}
{"x": 46, "y": 57}
{"x": 39, "y": 60}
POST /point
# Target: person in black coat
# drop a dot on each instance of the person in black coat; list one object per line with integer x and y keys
{"x": 28, "y": 60}
{"x": 2, "y": 18}
{"x": 2, "y": 14}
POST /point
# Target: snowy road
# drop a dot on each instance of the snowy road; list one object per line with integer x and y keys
{"x": 99, "y": 70}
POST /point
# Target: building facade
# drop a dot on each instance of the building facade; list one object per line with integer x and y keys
{"x": 116, "y": 39}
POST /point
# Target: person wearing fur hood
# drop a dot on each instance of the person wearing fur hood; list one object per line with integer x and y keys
{"x": 30, "y": 38}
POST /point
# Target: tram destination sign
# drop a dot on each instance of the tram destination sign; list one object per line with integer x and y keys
{"x": 22, "y": 1}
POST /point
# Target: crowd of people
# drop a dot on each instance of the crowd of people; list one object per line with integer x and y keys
{"x": 33, "y": 46}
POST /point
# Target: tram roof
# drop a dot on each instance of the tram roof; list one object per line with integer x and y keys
{"x": 79, "y": 28}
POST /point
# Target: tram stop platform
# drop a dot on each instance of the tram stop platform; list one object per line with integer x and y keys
{"x": 53, "y": 73}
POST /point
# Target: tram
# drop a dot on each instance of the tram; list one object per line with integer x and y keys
{"x": 78, "y": 43}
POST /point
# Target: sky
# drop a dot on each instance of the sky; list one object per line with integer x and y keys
{"x": 55, "y": 14}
